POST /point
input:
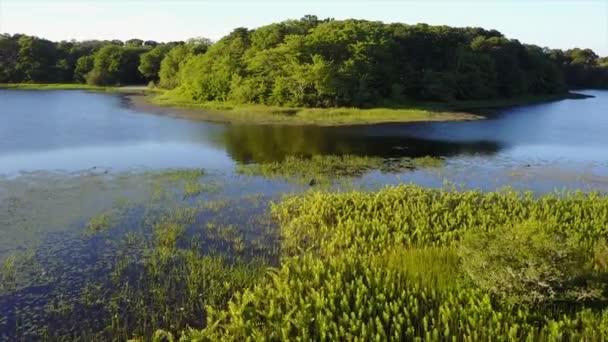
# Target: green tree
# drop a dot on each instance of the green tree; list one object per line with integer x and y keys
{"x": 176, "y": 57}
{"x": 37, "y": 59}
{"x": 9, "y": 55}
{"x": 84, "y": 65}
{"x": 114, "y": 65}
{"x": 150, "y": 62}
{"x": 134, "y": 42}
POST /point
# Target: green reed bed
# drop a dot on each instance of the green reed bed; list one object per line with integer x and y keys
{"x": 320, "y": 169}
{"x": 401, "y": 263}
{"x": 408, "y": 263}
{"x": 165, "y": 273}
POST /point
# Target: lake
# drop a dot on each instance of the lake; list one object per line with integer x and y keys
{"x": 67, "y": 156}
{"x": 73, "y": 131}
{"x": 77, "y": 130}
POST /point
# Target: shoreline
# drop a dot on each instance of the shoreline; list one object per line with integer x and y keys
{"x": 268, "y": 115}
{"x": 141, "y": 98}
{"x": 256, "y": 114}
{"x": 131, "y": 89}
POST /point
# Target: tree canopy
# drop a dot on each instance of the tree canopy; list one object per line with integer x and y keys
{"x": 315, "y": 63}
{"x": 28, "y": 59}
{"x": 312, "y": 62}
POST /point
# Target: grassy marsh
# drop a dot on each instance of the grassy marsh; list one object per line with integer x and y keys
{"x": 173, "y": 104}
{"x": 262, "y": 114}
{"x": 320, "y": 265}
{"x": 323, "y": 169}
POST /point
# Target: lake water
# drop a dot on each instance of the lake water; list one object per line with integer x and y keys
{"x": 67, "y": 156}
{"x": 71, "y": 131}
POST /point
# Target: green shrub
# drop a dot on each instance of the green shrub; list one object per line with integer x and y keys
{"x": 531, "y": 262}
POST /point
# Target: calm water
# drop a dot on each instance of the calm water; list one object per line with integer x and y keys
{"x": 74, "y": 130}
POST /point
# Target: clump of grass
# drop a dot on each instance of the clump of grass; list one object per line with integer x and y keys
{"x": 55, "y": 86}
{"x": 165, "y": 275}
{"x": 179, "y": 175}
{"x": 263, "y": 114}
{"x": 193, "y": 188}
{"x": 100, "y": 223}
{"x": 428, "y": 162}
{"x": 8, "y": 274}
{"x": 19, "y": 271}
{"x": 323, "y": 169}
{"x": 189, "y": 179}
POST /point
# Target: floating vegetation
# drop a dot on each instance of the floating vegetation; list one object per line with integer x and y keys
{"x": 190, "y": 180}
{"x": 164, "y": 271}
{"x": 178, "y": 175}
{"x": 322, "y": 169}
{"x": 100, "y": 223}
{"x": 7, "y": 274}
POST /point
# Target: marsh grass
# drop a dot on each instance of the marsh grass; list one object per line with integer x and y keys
{"x": 54, "y": 86}
{"x": 385, "y": 265}
{"x": 319, "y": 265}
{"x": 7, "y": 274}
{"x": 165, "y": 274}
{"x": 21, "y": 270}
{"x": 192, "y": 183}
{"x": 262, "y": 114}
{"x": 322, "y": 169}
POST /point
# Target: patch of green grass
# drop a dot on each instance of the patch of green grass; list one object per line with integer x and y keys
{"x": 56, "y": 86}
{"x": 178, "y": 175}
{"x": 386, "y": 265}
{"x": 100, "y": 223}
{"x": 189, "y": 179}
{"x": 7, "y": 274}
{"x": 264, "y": 114}
{"x": 322, "y": 169}
{"x": 79, "y": 86}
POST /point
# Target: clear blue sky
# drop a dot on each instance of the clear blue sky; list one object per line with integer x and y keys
{"x": 554, "y": 23}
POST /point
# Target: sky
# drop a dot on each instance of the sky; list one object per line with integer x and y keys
{"x": 553, "y": 23}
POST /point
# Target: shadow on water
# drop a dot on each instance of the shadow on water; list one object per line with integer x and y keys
{"x": 273, "y": 143}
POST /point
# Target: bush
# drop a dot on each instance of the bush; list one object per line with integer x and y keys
{"x": 530, "y": 262}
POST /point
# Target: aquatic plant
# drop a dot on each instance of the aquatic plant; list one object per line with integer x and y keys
{"x": 324, "y": 168}
{"x": 533, "y": 262}
{"x": 387, "y": 265}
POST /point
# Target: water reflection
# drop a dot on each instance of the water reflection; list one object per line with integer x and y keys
{"x": 274, "y": 143}
{"x": 75, "y": 130}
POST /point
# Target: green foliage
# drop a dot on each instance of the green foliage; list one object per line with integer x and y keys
{"x": 317, "y": 63}
{"x": 172, "y": 62}
{"x": 28, "y": 59}
{"x": 387, "y": 266}
{"x": 115, "y": 65}
{"x": 323, "y": 169}
{"x": 36, "y": 59}
{"x": 531, "y": 262}
{"x": 582, "y": 68}
{"x": 7, "y": 274}
{"x": 150, "y": 62}
{"x": 330, "y": 63}
{"x": 84, "y": 65}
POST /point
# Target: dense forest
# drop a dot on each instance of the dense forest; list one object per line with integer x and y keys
{"x": 315, "y": 63}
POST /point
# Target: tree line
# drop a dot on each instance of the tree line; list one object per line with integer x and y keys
{"x": 29, "y": 59}
{"x": 313, "y": 62}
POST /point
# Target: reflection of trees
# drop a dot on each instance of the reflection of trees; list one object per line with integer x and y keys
{"x": 274, "y": 143}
